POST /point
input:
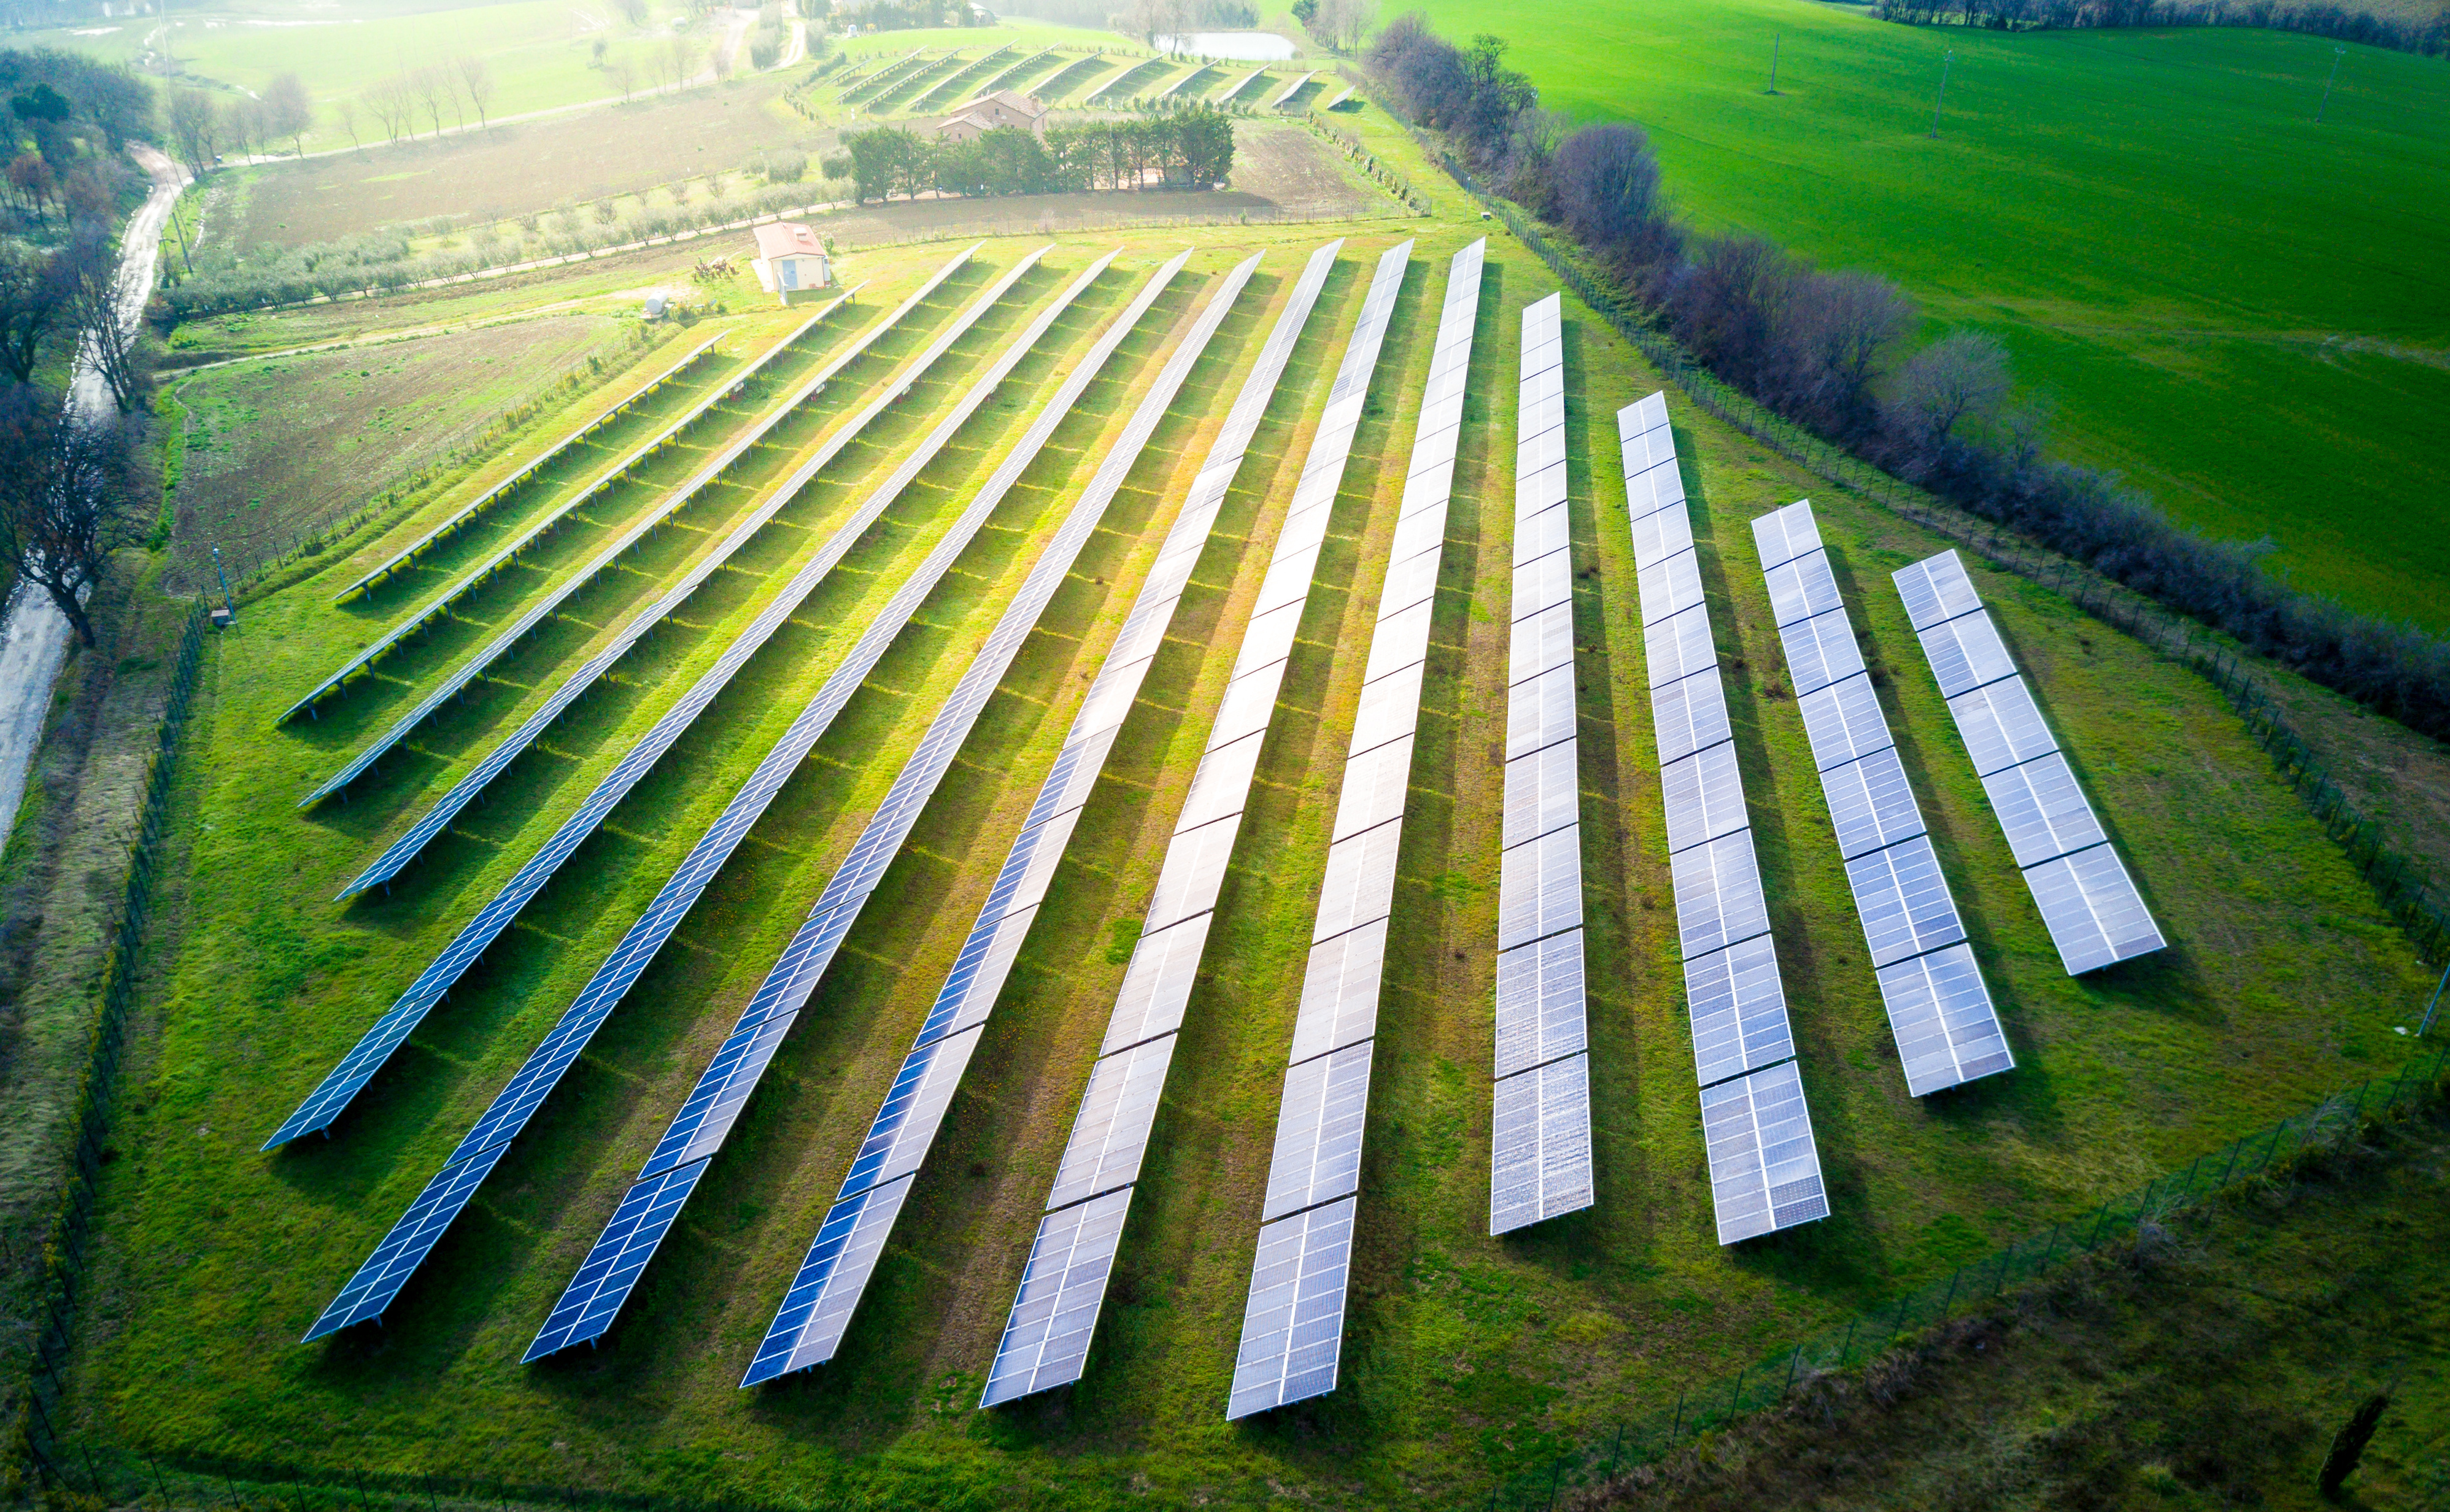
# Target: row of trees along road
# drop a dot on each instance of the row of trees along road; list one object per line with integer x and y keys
{"x": 1182, "y": 148}
{"x": 75, "y": 479}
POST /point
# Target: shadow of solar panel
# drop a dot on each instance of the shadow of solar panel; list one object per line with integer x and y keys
{"x": 2042, "y": 810}
{"x": 1360, "y": 882}
{"x": 1689, "y": 714}
{"x": 1902, "y": 901}
{"x": 1318, "y": 1132}
{"x": 1540, "y": 534}
{"x": 1819, "y": 650}
{"x": 1540, "y": 1139}
{"x": 817, "y": 1309}
{"x": 592, "y": 1299}
{"x": 1801, "y": 588}
{"x": 1670, "y": 586}
{"x": 1339, "y": 1000}
{"x": 1112, "y": 1130}
{"x": 1540, "y": 887}
{"x": 1543, "y": 793}
{"x": 1844, "y": 720}
{"x": 1678, "y": 646}
{"x": 1544, "y": 583}
{"x": 1764, "y": 1169}
{"x": 1738, "y": 1007}
{"x": 1376, "y": 785}
{"x": 2001, "y": 725}
{"x": 1703, "y": 795}
{"x": 1046, "y": 1335}
{"x": 1966, "y": 653}
{"x": 1540, "y": 996}
{"x": 1542, "y": 641}
{"x": 1293, "y": 1326}
{"x": 1940, "y": 1013}
{"x": 2096, "y": 916}
{"x": 1871, "y": 805}
{"x": 1718, "y": 894}
{"x": 1935, "y": 589}
{"x": 1158, "y": 984}
{"x": 1660, "y": 535}
{"x": 1784, "y": 535}
{"x": 1539, "y": 712}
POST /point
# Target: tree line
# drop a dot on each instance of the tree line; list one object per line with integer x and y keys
{"x": 1836, "y": 351}
{"x": 1181, "y": 148}
{"x": 2319, "y": 18}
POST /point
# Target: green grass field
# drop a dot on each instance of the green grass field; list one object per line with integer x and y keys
{"x": 2238, "y": 309}
{"x": 1465, "y": 1355}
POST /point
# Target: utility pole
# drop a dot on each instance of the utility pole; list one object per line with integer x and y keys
{"x": 2337, "y": 53}
{"x": 1774, "y": 39}
{"x": 1946, "y": 58}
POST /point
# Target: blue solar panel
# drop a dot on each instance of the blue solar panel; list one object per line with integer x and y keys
{"x": 621, "y": 1252}
{"x": 813, "y": 1316}
{"x": 408, "y": 1243}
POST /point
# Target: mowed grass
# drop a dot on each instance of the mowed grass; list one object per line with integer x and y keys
{"x": 2235, "y": 307}
{"x": 1463, "y": 1354}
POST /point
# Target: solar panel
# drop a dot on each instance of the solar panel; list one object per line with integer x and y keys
{"x": 1046, "y": 1336}
{"x": 1287, "y": 579}
{"x": 1377, "y": 783}
{"x": 1966, "y": 653}
{"x": 1689, "y": 714}
{"x": 2042, "y": 809}
{"x": 1541, "y": 641}
{"x": 1660, "y": 535}
{"x": 1388, "y": 707}
{"x": 1250, "y": 697}
{"x": 1402, "y": 639}
{"x": 612, "y": 1267}
{"x": 1412, "y": 579}
{"x": 1318, "y": 1131}
{"x": 978, "y": 973}
{"x": 1112, "y": 1128}
{"x": 1540, "y": 1160}
{"x": 1703, "y": 795}
{"x": 1543, "y": 583}
{"x": 1937, "y": 589}
{"x": 1784, "y": 535}
{"x": 1360, "y": 882}
{"x": 1540, "y": 887}
{"x": 1820, "y": 650}
{"x": 2001, "y": 726}
{"x": 1670, "y": 586}
{"x": 1764, "y": 1172}
{"x": 1738, "y": 1006}
{"x": 1339, "y": 1000}
{"x": 1947, "y": 1032}
{"x": 1718, "y": 894}
{"x": 1903, "y": 902}
{"x": 1543, "y": 793}
{"x": 1844, "y": 720}
{"x": 817, "y": 1311}
{"x": 1164, "y": 968}
{"x": 1539, "y": 712}
{"x": 1679, "y": 646}
{"x": 1660, "y": 489}
{"x": 1542, "y": 535}
{"x": 1293, "y": 1326}
{"x": 1221, "y": 786}
{"x": 696, "y": 1131}
{"x": 2096, "y": 917}
{"x": 1802, "y": 588}
{"x": 1540, "y": 993}
{"x": 1193, "y": 872}
{"x": 1871, "y": 803}
{"x": 913, "y": 1111}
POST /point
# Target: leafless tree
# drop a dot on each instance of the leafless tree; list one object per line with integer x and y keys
{"x": 240, "y": 119}
{"x": 477, "y": 77}
{"x": 1965, "y": 374}
{"x": 344, "y": 111}
{"x": 1342, "y": 23}
{"x": 683, "y": 55}
{"x": 625, "y": 73}
{"x": 288, "y": 111}
{"x": 33, "y": 298}
{"x": 430, "y": 87}
{"x": 394, "y": 104}
{"x": 195, "y": 128}
{"x": 106, "y": 328}
{"x": 70, "y": 492}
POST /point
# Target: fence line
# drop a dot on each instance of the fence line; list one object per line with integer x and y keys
{"x": 63, "y": 1252}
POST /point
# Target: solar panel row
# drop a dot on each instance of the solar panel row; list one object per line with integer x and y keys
{"x": 367, "y": 1296}
{"x": 1764, "y": 1167}
{"x": 1541, "y": 1147}
{"x": 343, "y": 1082}
{"x": 398, "y": 855}
{"x": 1900, "y": 896}
{"x": 2096, "y": 913}
{"x": 1317, "y": 1157}
{"x": 1046, "y": 1336}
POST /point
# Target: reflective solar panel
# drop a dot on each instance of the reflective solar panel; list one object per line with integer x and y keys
{"x": 1318, "y": 1131}
{"x": 1541, "y": 641}
{"x": 2096, "y": 917}
{"x": 979, "y": 974}
{"x": 1718, "y": 896}
{"x": 913, "y": 1111}
{"x": 1647, "y": 414}
{"x": 1077, "y": 767}
{"x": 1661, "y": 535}
{"x": 1738, "y": 1006}
{"x": 1966, "y": 653}
{"x": 698, "y": 1128}
{"x": 1377, "y": 783}
{"x": 1403, "y": 638}
{"x": 1902, "y": 901}
{"x": 1764, "y": 1169}
{"x": 1293, "y": 1324}
{"x": 1046, "y": 1336}
{"x": 1784, "y": 535}
{"x": 1670, "y": 586}
{"x": 1540, "y": 995}
{"x": 817, "y": 1309}
{"x": 1941, "y": 1011}
{"x": 1660, "y": 489}
{"x": 1339, "y": 1000}
{"x": 1537, "y": 493}
{"x": 2042, "y": 810}
{"x": 1844, "y": 720}
{"x": 1360, "y": 882}
{"x": 1194, "y": 871}
{"x": 1411, "y": 579}
{"x": 1871, "y": 803}
{"x": 1540, "y": 887}
{"x": 1389, "y": 707}
{"x": 1820, "y": 650}
{"x": 1689, "y": 714}
{"x": 1111, "y": 1131}
{"x": 1540, "y": 1140}
{"x": 1543, "y": 792}
{"x": 1221, "y": 785}
{"x": 1539, "y": 711}
{"x": 1937, "y": 589}
{"x": 1703, "y": 795}
{"x": 1802, "y": 588}
{"x": 1543, "y": 583}
{"x": 1156, "y": 986}
{"x": 1542, "y": 535}
{"x": 1679, "y": 646}
{"x": 2001, "y": 725}
{"x": 402, "y": 1250}
{"x": 1268, "y": 639}
{"x": 1250, "y": 698}
{"x": 1287, "y": 580}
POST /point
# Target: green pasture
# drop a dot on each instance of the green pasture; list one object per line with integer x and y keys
{"x": 2237, "y": 308}
{"x": 1465, "y": 1355}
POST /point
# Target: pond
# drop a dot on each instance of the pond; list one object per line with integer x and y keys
{"x": 1251, "y": 47}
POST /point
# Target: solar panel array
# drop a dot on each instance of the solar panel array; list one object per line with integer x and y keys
{"x": 1046, "y": 1334}
{"x": 2095, "y": 915}
{"x": 501, "y": 490}
{"x": 1757, "y": 1130}
{"x": 1540, "y": 1162}
{"x": 1292, "y": 1322}
{"x": 1940, "y": 1008}
{"x": 325, "y": 1102}
{"x": 397, "y": 1257}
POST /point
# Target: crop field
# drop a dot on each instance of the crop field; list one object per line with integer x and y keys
{"x": 1465, "y": 1356}
{"x": 2231, "y": 305}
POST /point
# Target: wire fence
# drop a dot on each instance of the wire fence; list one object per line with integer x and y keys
{"x": 64, "y": 1251}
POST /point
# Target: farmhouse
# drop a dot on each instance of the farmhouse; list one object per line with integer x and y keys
{"x": 791, "y": 257}
{"x": 1003, "y": 108}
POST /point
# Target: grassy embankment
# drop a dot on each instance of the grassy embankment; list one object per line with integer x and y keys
{"x": 1462, "y": 1351}
{"x": 2230, "y": 304}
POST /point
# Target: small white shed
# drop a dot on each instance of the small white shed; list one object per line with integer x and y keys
{"x": 791, "y": 257}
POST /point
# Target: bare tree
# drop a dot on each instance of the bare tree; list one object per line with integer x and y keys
{"x": 683, "y": 55}
{"x": 288, "y": 111}
{"x": 239, "y": 119}
{"x": 195, "y": 128}
{"x": 429, "y": 87}
{"x": 68, "y": 495}
{"x": 1962, "y": 375}
{"x": 344, "y": 111}
{"x": 106, "y": 328}
{"x": 477, "y": 77}
{"x": 32, "y": 301}
{"x": 625, "y": 73}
